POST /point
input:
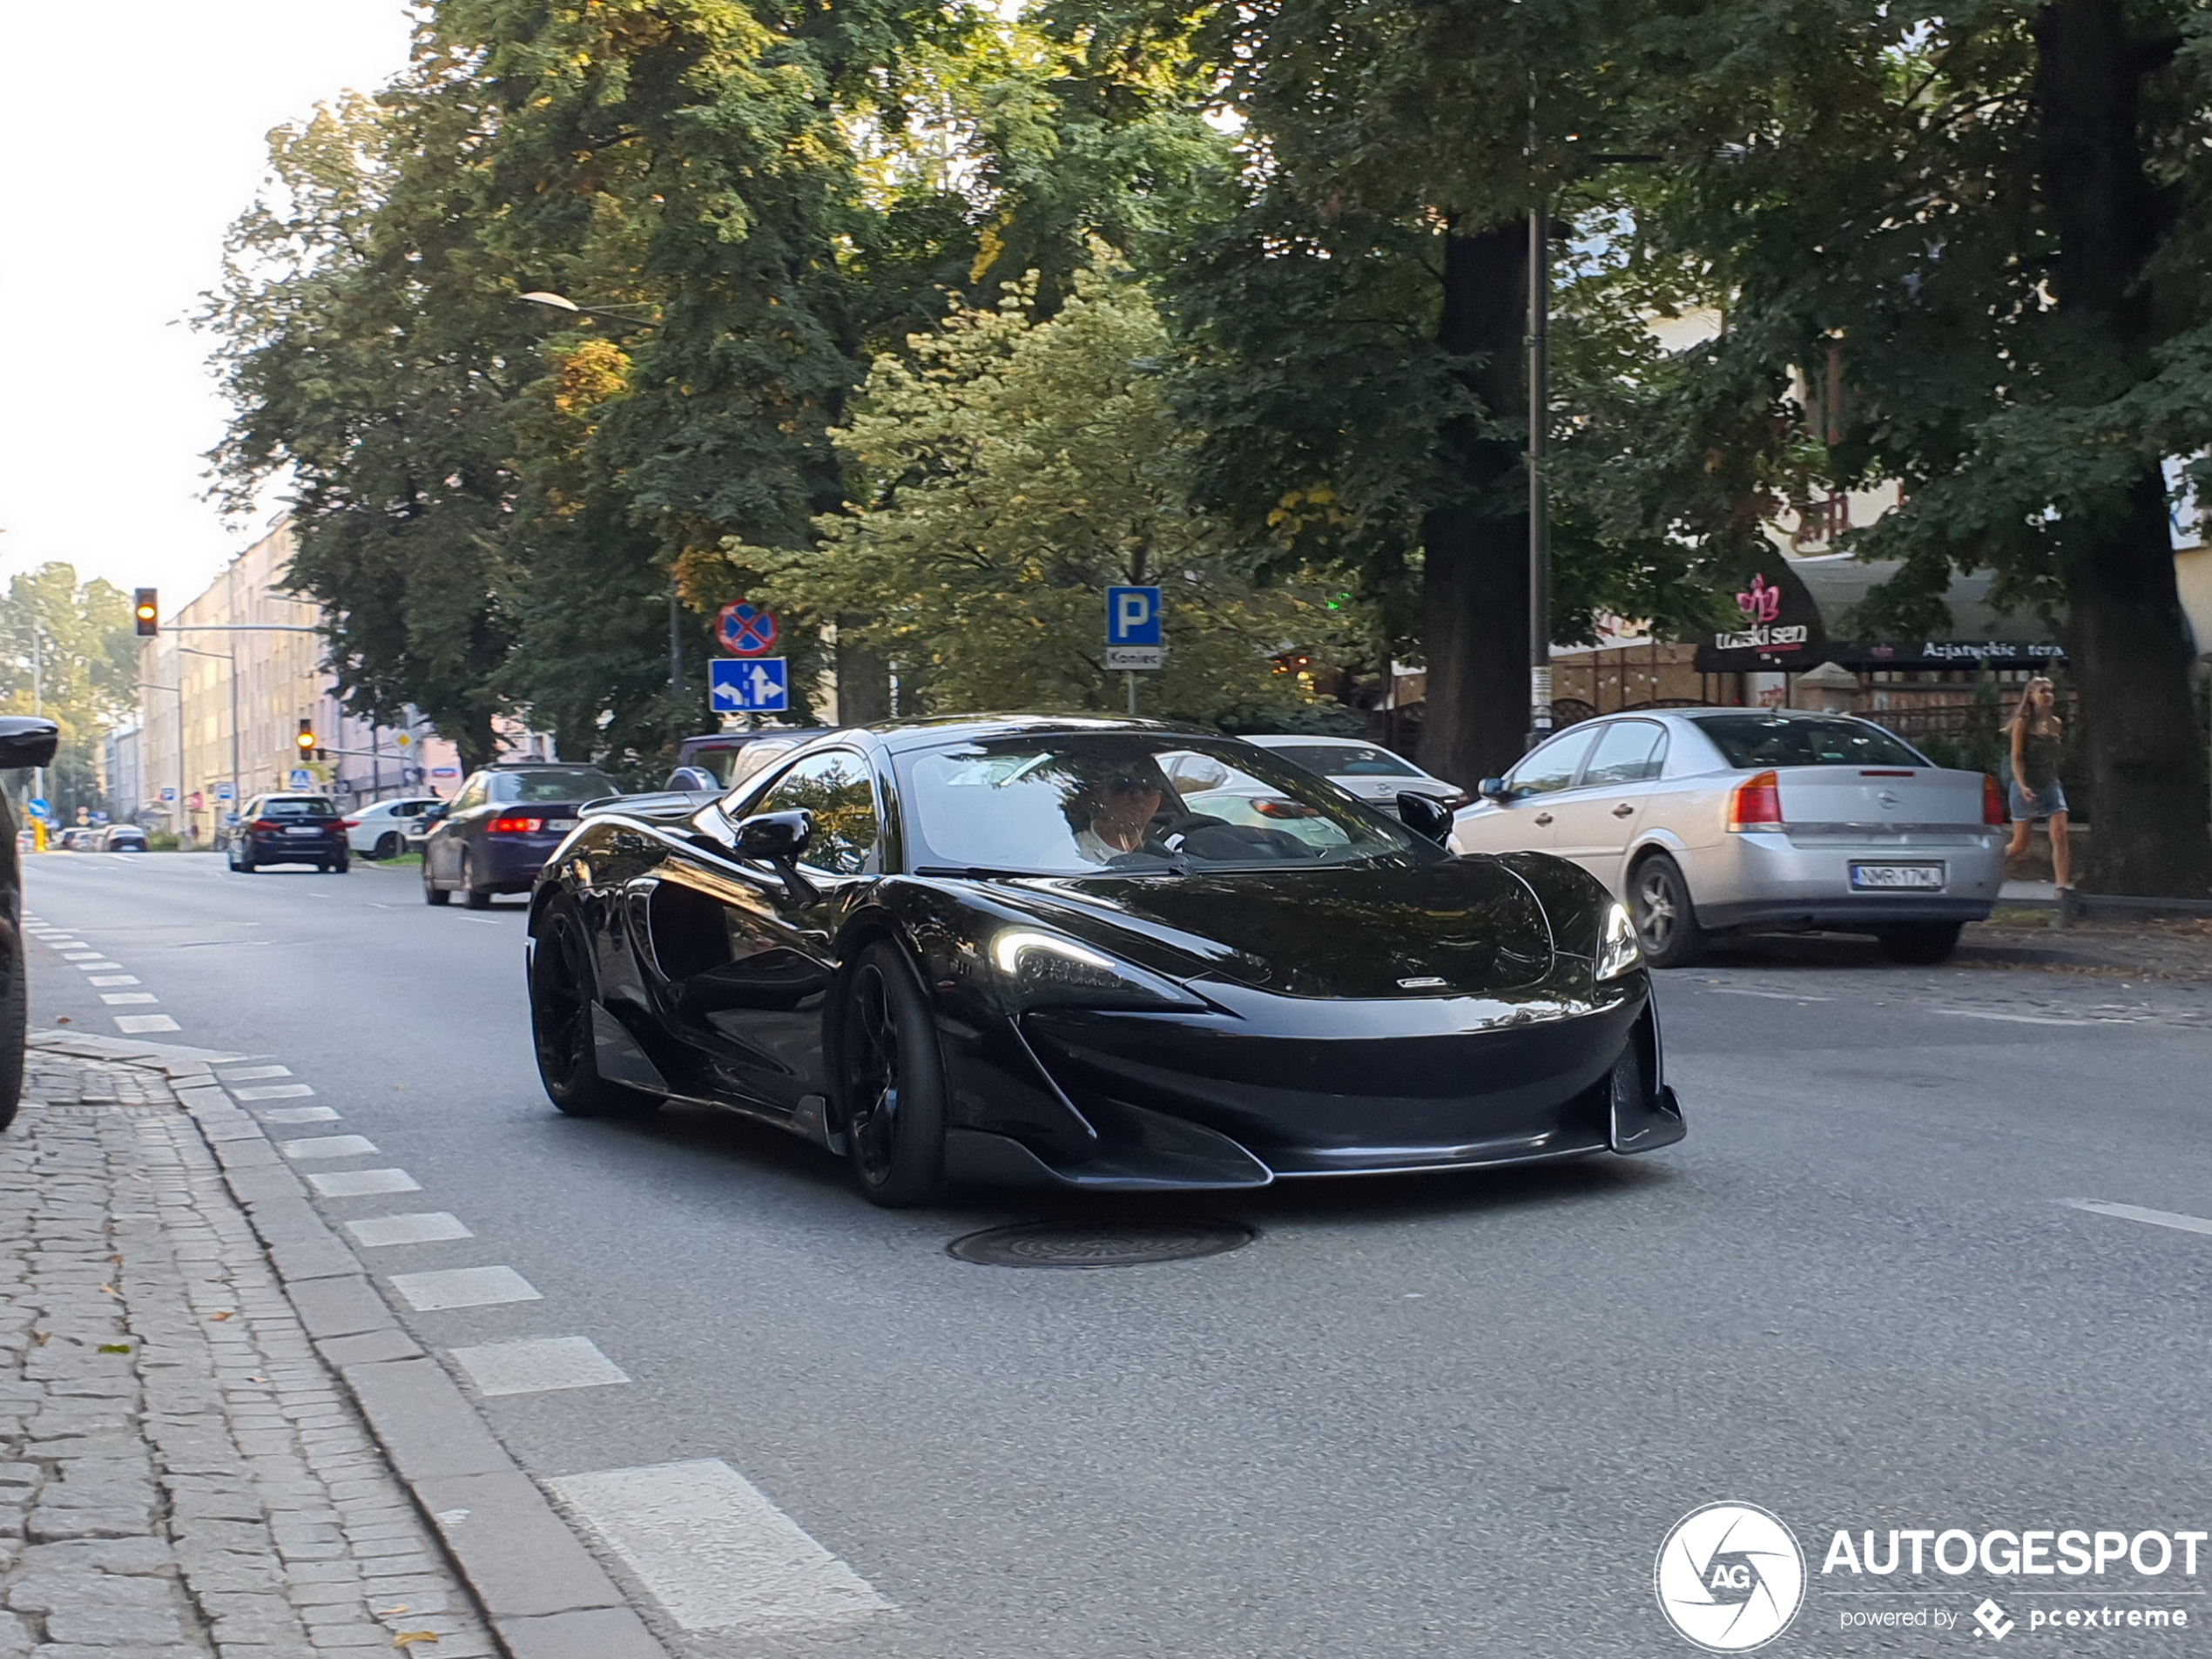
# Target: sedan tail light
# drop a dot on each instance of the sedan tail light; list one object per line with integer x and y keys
{"x": 1993, "y": 810}
{"x": 1757, "y": 803}
{"x": 264, "y": 824}
{"x": 517, "y": 825}
{"x": 1272, "y": 808}
{"x": 349, "y": 823}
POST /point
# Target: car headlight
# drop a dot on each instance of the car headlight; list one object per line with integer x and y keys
{"x": 1051, "y": 967}
{"x": 1617, "y": 950}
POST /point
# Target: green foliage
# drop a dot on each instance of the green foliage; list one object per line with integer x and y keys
{"x": 1007, "y": 470}
{"x": 87, "y": 677}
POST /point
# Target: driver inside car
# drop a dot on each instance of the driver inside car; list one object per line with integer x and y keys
{"x": 1112, "y": 814}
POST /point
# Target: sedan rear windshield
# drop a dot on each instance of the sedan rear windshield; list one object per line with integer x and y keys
{"x": 552, "y": 783}
{"x": 1346, "y": 759}
{"x": 1758, "y": 740}
{"x": 299, "y": 806}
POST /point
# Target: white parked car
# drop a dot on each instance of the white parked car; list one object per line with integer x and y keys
{"x": 1364, "y": 770}
{"x": 386, "y": 828}
{"x": 1711, "y": 819}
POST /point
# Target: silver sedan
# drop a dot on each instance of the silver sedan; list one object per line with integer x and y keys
{"x": 1708, "y": 820}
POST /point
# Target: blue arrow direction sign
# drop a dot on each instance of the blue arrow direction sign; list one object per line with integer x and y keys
{"x": 761, "y": 685}
{"x": 1133, "y": 616}
{"x": 37, "y": 808}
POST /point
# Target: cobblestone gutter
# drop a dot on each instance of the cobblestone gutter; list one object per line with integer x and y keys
{"x": 181, "y": 1472}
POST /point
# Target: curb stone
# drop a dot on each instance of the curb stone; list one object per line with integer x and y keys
{"x": 544, "y": 1594}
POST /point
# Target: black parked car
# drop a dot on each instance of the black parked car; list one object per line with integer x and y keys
{"x": 289, "y": 829}
{"x": 24, "y": 742}
{"x": 722, "y": 760}
{"x": 1005, "y": 951}
{"x": 494, "y": 834}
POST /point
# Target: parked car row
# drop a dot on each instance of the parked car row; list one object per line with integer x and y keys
{"x": 97, "y": 837}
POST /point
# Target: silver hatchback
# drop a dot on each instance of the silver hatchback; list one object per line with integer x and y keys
{"x": 1707, "y": 821}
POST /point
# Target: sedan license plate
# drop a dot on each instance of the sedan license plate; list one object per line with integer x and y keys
{"x": 303, "y": 829}
{"x": 1896, "y": 878}
{"x": 560, "y": 823}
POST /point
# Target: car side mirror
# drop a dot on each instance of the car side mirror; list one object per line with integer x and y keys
{"x": 25, "y": 740}
{"x": 775, "y": 838}
{"x": 432, "y": 814}
{"x": 1490, "y": 789}
{"x": 692, "y": 780}
{"x": 1424, "y": 815}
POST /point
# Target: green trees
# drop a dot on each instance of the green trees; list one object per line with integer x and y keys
{"x": 1999, "y": 220}
{"x": 68, "y": 650}
{"x": 1006, "y": 472}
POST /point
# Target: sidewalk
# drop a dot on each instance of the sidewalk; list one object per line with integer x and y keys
{"x": 184, "y": 1475}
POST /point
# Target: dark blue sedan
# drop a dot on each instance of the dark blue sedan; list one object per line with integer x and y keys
{"x": 498, "y": 830}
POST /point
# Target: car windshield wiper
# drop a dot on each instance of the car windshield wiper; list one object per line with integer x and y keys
{"x": 977, "y": 872}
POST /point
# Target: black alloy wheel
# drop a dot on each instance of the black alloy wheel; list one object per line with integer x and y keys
{"x": 432, "y": 892}
{"x": 1922, "y": 945}
{"x": 1666, "y": 921}
{"x": 893, "y": 1082}
{"x": 470, "y": 896}
{"x": 387, "y": 846}
{"x": 560, "y": 1000}
{"x": 243, "y": 866}
{"x": 339, "y": 867}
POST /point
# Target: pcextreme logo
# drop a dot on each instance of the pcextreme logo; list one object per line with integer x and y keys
{"x": 1729, "y": 1577}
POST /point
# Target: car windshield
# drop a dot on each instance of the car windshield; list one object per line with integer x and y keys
{"x": 552, "y": 783}
{"x": 298, "y": 807}
{"x": 1749, "y": 740}
{"x": 1346, "y": 759}
{"x": 1086, "y": 804}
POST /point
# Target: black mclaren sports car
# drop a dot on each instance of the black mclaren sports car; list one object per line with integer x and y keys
{"x": 1021, "y": 950}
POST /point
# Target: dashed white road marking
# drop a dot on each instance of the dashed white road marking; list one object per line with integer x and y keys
{"x": 361, "y": 1183}
{"x": 132, "y": 1024}
{"x": 464, "y": 1287}
{"x": 538, "y": 1366}
{"x": 113, "y": 979}
{"x": 431, "y": 1229}
{"x": 252, "y": 1073}
{"x": 301, "y": 1115}
{"x": 2136, "y": 1213}
{"x": 2014, "y": 1019}
{"x": 1778, "y": 996}
{"x": 714, "y": 1551}
{"x": 482, "y": 921}
{"x": 82, "y": 955}
{"x": 329, "y": 1146}
{"x": 96, "y": 967}
{"x": 116, "y": 999}
{"x": 273, "y": 1091}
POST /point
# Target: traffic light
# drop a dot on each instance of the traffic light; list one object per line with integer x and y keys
{"x": 307, "y": 737}
{"x": 147, "y": 607}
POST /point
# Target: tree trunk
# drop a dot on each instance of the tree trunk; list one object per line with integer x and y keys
{"x": 1476, "y": 544}
{"x": 2130, "y": 641}
{"x": 863, "y": 678}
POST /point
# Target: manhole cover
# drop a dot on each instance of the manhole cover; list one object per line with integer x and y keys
{"x": 1113, "y": 1244}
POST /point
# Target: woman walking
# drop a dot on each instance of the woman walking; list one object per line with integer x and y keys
{"x": 2037, "y": 733}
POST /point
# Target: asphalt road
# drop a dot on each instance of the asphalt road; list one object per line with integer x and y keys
{"x": 1427, "y": 1417}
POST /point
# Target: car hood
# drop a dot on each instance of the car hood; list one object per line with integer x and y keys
{"x": 1450, "y": 926}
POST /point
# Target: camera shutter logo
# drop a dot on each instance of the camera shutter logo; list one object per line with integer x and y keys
{"x": 1730, "y": 1577}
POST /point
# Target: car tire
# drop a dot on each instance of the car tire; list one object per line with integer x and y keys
{"x": 387, "y": 846}
{"x": 14, "y": 1022}
{"x": 1922, "y": 945}
{"x": 243, "y": 866}
{"x": 470, "y": 896}
{"x": 891, "y": 1079}
{"x": 563, "y": 991}
{"x": 343, "y": 866}
{"x": 432, "y": 892}
{"x": 1666, "y": 921}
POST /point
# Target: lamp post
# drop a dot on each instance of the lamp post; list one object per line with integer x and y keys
{"x": 616, "y": 320}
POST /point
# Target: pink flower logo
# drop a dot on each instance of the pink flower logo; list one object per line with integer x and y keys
{"x": 1762, "y": 603}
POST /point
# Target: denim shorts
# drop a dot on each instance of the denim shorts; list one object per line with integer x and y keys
{"x": 2037, "y": 803}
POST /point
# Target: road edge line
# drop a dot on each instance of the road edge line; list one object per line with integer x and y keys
{"x": 541, "y": 1591}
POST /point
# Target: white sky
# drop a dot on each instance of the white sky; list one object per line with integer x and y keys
{"x": 135, "y": 132}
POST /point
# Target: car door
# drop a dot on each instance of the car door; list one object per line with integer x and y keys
{"x": 1597, "y": 818}
{"x": 450, "y": 835}
{"x": 1524, "y": 819}
{"x": 745, "y": 949}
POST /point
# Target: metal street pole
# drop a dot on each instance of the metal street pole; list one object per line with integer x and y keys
{"x": 675, "y": 659}
{"x": 1539, "y": 527}
{"x": 38, "y": 708}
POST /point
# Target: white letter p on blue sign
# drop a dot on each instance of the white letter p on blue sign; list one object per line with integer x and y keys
{"x": 1133, "y": 616}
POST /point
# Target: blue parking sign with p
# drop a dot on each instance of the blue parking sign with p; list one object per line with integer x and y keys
{"x": 1133, "y": 616}
{"x": 750, "y": 686}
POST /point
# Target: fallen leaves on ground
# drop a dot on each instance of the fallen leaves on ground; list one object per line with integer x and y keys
{"x": 409, "y": 1638}
{"x": 225, "y": 1314}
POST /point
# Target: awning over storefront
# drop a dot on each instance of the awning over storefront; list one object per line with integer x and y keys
{"x": 1795, "y": 614}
